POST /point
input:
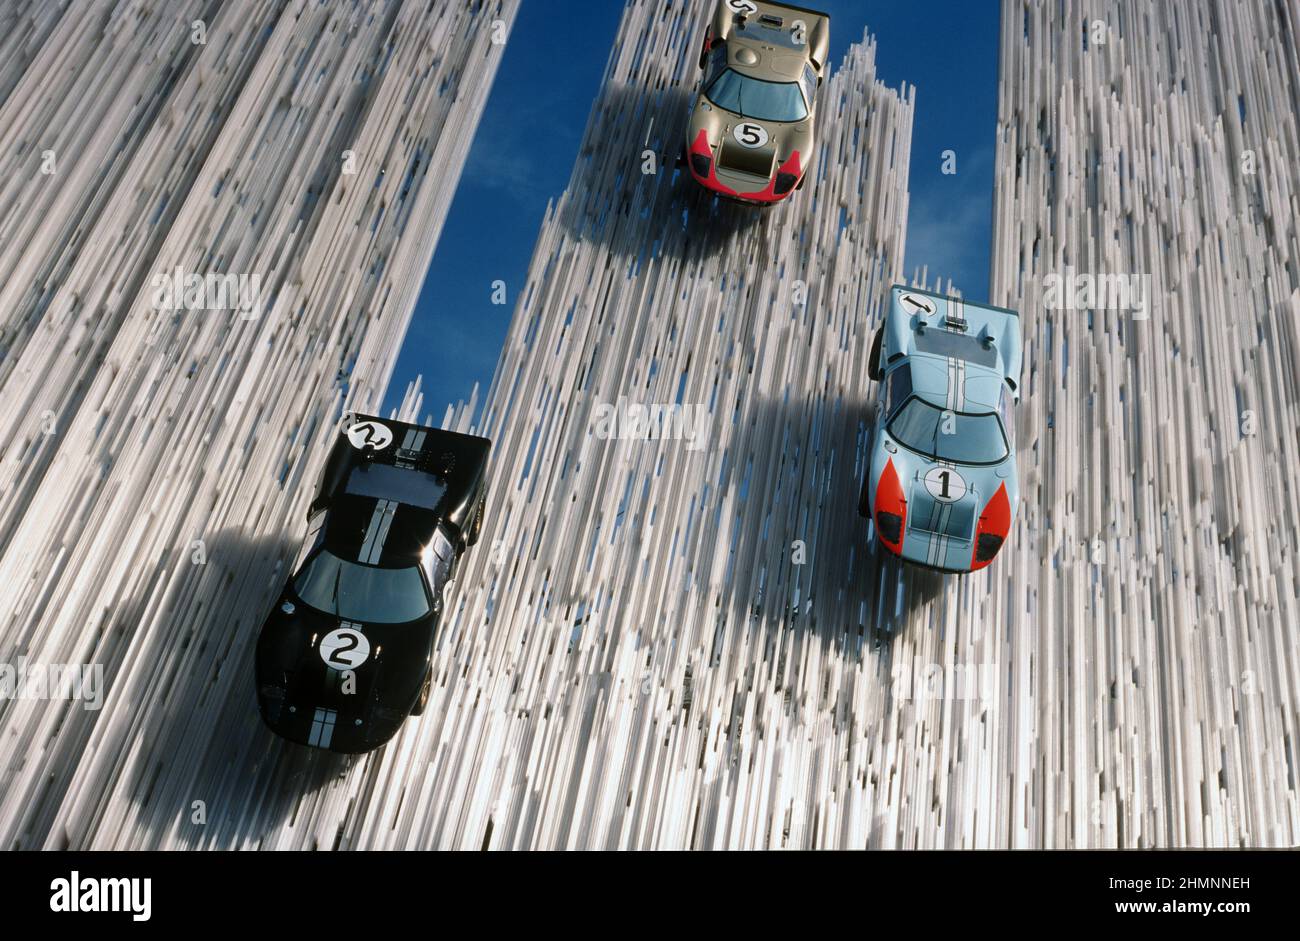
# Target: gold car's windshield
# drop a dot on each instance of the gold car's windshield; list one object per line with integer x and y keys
{"x": 755, "y": 98}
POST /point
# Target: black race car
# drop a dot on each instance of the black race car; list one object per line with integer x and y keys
{"x": 344, "y": 657}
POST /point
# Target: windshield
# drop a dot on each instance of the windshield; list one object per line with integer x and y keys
{"x": 365, "y": 593}
{"x": 754, "y": 98}
{"x": 949, "y": 436}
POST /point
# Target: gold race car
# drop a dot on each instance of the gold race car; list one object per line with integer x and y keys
{"x": 751, "y": 130}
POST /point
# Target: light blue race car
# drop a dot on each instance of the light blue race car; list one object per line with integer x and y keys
{"x": 941, "y": 488}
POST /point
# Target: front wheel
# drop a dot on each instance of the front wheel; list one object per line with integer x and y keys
{"x": 873, "y": 363}
{"x": 418, "y": 708}
{"x": 477, "y": 527}
{"x": 864, "y": 498}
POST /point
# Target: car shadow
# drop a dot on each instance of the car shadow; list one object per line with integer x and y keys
{"x": 804, "y": 559}
{"x": 217, "y": 776}
{"x": 636, "y": 213}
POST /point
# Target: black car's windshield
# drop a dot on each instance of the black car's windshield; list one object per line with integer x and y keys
{"x": 366, "y": 593}
{"x": 754, "y": 98}
{"x": 949, "y": 436}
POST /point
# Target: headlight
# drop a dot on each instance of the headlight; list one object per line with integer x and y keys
{"x": 890, "y": 526}
{"x": 700, "y": 164}
{"x": 987, "y": 546}
{"x": 784, "y": 183}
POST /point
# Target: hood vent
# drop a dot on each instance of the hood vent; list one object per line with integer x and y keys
{"x": 756, "y": 162}
{"x": 926, "y": 514}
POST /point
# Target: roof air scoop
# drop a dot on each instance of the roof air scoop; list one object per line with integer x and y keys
{"x": 768, "y": 19}
{"x": 955, "y": 322}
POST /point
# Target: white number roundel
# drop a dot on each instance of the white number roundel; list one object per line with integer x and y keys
{"x": 372, "y": 433}
{"x": 344, "y": 648}
{"x": 918, "y": 303}
{"x": 945, "y": 484}
{"x": 749, "y": 134}
{"x": 747, "y": 7}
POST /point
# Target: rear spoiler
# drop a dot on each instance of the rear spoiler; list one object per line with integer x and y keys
{"x": 791, "y": 6}
{"x": 421, "y": 447}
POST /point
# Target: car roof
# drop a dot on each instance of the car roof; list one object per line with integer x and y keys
{"x": 784, "y": 63}
{"x": 954, "y": 384}
{"x": 377, "y": 531}
{"x": 951, "y": 365}
{"x": 385, "y": 502}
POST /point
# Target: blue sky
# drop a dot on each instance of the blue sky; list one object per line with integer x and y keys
{"x": 526, "y": 143}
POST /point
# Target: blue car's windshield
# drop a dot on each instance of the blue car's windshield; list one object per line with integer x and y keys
{"x": 754, "y": 98}
{"x": 949, "y": 436}
{"x": 366, "y": 593}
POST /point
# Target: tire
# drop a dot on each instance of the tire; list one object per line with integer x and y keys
{"x": 477, "y": 526}
{"x": 423, "y": 699}
{"x": 874, "y": 371}
{"x": 864, "y": 507}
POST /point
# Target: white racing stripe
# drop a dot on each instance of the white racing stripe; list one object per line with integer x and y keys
{"x": 322, "y": 727}
{"x": 372, "y": 549}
